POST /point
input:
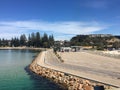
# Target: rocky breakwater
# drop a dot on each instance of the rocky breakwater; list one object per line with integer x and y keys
{"x": 69, "y": 82}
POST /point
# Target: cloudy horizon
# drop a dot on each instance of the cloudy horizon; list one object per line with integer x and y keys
{"x": 62, "y": 29}
{"x": 63, "y": 19}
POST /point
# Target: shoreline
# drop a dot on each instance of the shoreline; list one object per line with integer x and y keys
{"x": 22, "y": 48}
{"x": 61, "y": 78}
{"x": 66, "y": 80}
{"x": 33, "y": 67}
{"x": 30, "y": 72}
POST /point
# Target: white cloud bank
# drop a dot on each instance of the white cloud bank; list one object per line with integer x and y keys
{"x": 10, "y": 29}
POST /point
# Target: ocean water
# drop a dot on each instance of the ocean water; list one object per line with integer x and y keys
{"x": 14, "y": 75}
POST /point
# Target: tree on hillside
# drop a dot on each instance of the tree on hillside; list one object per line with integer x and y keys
{"x": 0, "y": 42}
{"x": 38, "y": 40}
{"x": 45, "y": 41}
{"x": 116, "y": 45}
{"x": 29, "y": 41}
{"x": 15, "y": 42}
{"x": 101, "y": 42}
{"x": 33, "y": 39}
{"x": 23, "y": 40}
{"x": 3, "y": 42}
{"x": 45, "y": 38}
{"x": 12, "y": 42}
{"x": 51, "y": 40}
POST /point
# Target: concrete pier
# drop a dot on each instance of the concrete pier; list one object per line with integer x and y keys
{"x": 71, "y": 79}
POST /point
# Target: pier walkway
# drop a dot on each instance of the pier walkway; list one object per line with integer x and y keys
{"x": 94, "y": 67}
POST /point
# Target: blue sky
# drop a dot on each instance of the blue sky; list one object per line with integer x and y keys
{"x": 62, "y": 18}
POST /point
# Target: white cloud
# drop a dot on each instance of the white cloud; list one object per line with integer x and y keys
{"x": 9, "y": 35}
{"x": 10, "y": 29}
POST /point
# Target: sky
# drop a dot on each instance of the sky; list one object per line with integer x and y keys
{"x": 62, "y": 18}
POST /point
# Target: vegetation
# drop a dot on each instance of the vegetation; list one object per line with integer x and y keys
{"x": 37, "y": 40}
{"x": 97, "y": 42}
{"x": 59, "y": 57}
{"x": 33, "y": 40}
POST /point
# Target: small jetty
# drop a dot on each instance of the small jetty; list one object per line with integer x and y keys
{"x": 63, "y": 77}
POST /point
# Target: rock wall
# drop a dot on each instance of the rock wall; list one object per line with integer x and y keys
{"x": 69, "y": 82}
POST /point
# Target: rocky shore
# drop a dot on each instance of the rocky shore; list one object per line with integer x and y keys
{"x": 69, "y": 82}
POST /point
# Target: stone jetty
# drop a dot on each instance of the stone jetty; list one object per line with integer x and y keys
{"x": 68, "y": 81}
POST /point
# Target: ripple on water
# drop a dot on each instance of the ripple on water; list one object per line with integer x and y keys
{"x": 13, "y": 75}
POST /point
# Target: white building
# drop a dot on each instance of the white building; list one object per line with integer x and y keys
{"x": 65, "y": 49}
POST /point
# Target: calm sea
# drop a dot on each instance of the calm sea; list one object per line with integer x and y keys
{"x": 13, "y": 73}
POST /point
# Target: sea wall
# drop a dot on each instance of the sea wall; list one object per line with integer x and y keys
{"x": 69, "y": 82}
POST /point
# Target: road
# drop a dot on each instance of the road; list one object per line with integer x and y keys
{"x": 86, "y": 65}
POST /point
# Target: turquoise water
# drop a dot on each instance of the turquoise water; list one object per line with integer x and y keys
{"x": 13, "y": 75}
